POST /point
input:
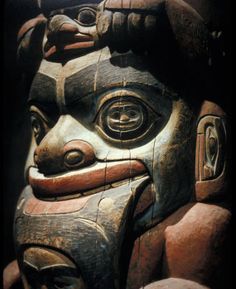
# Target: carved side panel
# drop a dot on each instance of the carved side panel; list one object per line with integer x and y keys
{"x": 211, "y": 155}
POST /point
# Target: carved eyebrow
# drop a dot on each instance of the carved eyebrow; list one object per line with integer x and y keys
{"x": 49, "y": 108}
{"x": 106, "y": 74}
{"x": 59, "y": 267}
{"x": 112, "y": 87}
{"x": 43, "y": 88}
{"x": 150, "y": 95}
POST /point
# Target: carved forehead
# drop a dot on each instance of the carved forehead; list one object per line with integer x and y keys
{"x": 90, "y": 74}
{"x": 120, "y": 71}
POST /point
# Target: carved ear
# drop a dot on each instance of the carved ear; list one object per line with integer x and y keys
{"x": 210, "y": 170}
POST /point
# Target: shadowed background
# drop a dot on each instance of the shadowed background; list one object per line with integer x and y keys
{"x": 15, "y": 119}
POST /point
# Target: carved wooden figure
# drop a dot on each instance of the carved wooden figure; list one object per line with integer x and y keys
{"x": 127, "y": 171}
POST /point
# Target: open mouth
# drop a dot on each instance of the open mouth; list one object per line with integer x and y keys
{"x": 90, "y": 180}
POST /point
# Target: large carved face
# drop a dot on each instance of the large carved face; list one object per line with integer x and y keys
{"x": 98, "y": 116}
{"x": 109, "y": 151}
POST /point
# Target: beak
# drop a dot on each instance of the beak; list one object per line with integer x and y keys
{"x": 64, "y": 38}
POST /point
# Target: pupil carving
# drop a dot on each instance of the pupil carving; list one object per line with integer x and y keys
{"x": 87, "y": 17}
{"x": 212, "y": 146}
{"x": 211, "y": 149}
{"x": 124, "y": 119}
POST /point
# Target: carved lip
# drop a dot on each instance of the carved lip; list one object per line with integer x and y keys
{"x": 97, "y": 176}
{"x": 79, "y": 42}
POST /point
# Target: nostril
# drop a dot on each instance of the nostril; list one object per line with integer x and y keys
{"x": 73, "y": 158}
{"x": 78, "y": 154}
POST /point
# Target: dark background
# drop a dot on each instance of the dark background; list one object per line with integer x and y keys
{"x": 16, "y": 129}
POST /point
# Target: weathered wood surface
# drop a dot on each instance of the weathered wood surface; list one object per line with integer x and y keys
{"x": 128, "y": 169}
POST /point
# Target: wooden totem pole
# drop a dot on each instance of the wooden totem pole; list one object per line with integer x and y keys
{"x": 127, "y": 172}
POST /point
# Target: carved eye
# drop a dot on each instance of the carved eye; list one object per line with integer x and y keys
{"x": 125, "y": 118}
{"x": 87, "y": 17}
{"x": 39, "y": 126}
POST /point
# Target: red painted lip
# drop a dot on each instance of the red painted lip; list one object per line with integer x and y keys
{"x": 79, "y": 42}
{"x": 70, "y": 47}
{"x": 81, "y": 181}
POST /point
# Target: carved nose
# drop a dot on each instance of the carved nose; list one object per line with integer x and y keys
{"x": 73, "y": 155}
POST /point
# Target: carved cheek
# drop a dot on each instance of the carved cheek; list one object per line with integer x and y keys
{"x": 172, "y": 166}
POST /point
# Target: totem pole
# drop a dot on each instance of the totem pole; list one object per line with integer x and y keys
{"x": 127, "y": 172}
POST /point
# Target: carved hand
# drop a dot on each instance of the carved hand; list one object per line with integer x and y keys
{"x": 145, "y": 25}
